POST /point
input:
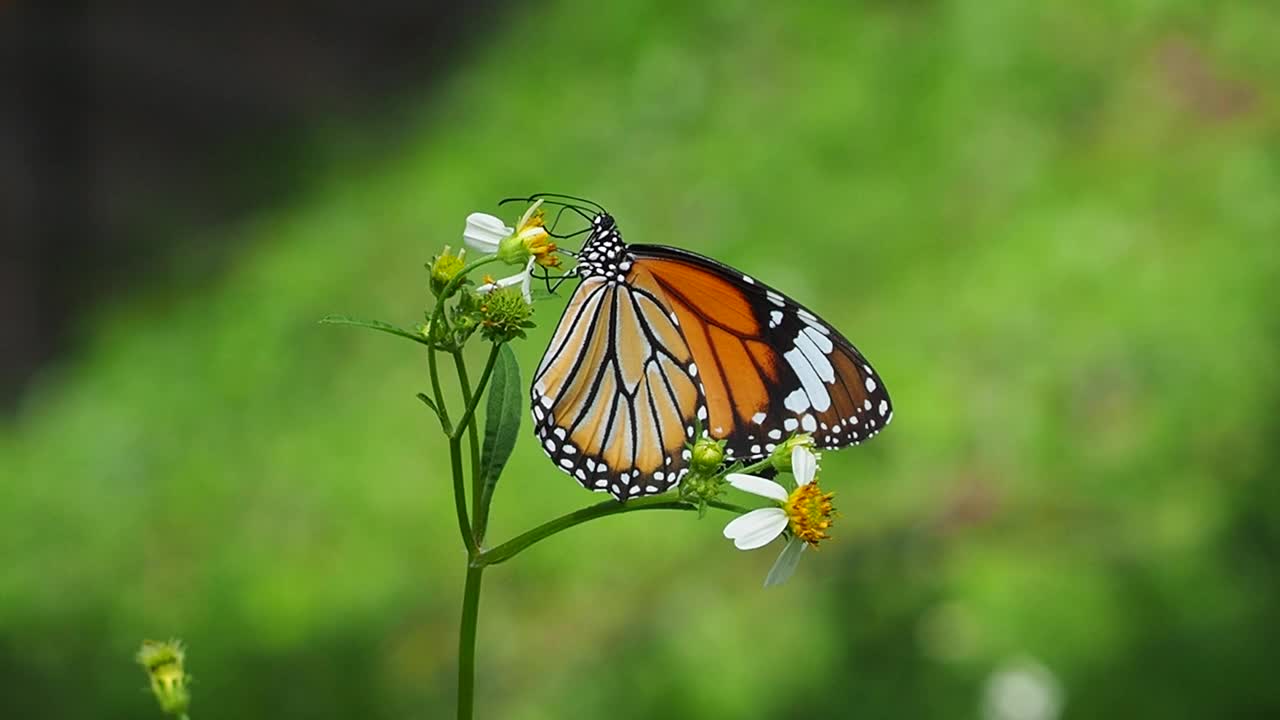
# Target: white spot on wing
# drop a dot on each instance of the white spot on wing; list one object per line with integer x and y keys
{"x": 797, "y": 401}
{"x": 758, "y": 418}
{"x": 817, "y": 358}
{"x": 813, "y": 386}
{"x": 871, "y": 385}
{"x": 884, "y": 407}
{"x": 822, "y": 341}
{"x": 808, "y": 423}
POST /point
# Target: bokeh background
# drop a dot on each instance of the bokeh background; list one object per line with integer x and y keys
{"x": 1055, "y": 230}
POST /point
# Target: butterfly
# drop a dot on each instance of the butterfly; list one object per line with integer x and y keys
{"x": 658, "y": 343}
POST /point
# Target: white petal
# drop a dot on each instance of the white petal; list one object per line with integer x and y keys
{"x": 757, "y": 528}
{"x": 500, "y": 283}
{"x": 803, "y": 465}
{"x": 758, "y": 486}
{"x": 528, "y": 279}
{"x": 484, "y": 231}
{"x": 786, "y": 563}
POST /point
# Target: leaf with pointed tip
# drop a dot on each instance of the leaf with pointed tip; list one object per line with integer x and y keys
{"x": 503, "y": 412}
{"x": 374, "y": 325}
{"x": 429, "y": 403}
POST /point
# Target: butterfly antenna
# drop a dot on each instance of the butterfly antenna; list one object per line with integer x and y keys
{"x": 592, "y": 203}
{"x": 556, "y": 223}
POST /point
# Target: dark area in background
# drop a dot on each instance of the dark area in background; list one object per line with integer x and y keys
{"x": 108, "y": 112}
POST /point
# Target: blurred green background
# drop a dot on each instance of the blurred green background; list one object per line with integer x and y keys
{"x": 1055, "y": 231}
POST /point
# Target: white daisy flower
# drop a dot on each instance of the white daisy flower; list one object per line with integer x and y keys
{"x": 805, "y": 511}
{"x": 529, "y": 238}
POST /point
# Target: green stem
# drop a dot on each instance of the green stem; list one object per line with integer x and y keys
{"x": 484, "y": 380}
{"x": 437, "y": 317}
{"x": 467, "y": 642}
{"x": 473, "y": 445}
{"x": 460, "y": 496}
{"x": 441, "y": 410}
{"x": 479, "y": 499}
{"x": 513, "y": 547}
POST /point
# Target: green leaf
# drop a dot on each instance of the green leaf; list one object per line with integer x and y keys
{"x": 429, "y": 403}
{"x": 504, "y": 410}
{"x": 374, "y": 325}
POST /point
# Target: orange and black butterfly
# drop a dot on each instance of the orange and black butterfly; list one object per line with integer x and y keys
{"x": 657, "y": 342}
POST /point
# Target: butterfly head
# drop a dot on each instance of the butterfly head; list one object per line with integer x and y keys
{"x": 604, "y": 254}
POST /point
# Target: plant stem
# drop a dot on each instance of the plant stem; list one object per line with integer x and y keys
{"x": 467, "y": 642}
{"x": 484, "y": 380}
{"x": 441, "y": 410}
{"x": 460, "y": 496}
{"x": 466, "y": 421}
{"x": 437, "y": 317}
{"x": 513, "y": 547}
{"x": 479, "y": 499}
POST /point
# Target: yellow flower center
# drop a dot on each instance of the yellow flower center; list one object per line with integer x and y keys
{"x": 535, "y": 238}
{"x": 809, "y": 512}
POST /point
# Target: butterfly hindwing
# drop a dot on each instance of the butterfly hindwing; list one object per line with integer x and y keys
{"x": 614, "y": 402}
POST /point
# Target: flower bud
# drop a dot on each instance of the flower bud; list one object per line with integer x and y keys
{"x": 444, "y": 268}
{"x": 707, "y": 456}
{"x": 504, "y": 315}
{"x": 781, "y": 456}
{"x": 163, "y": 662}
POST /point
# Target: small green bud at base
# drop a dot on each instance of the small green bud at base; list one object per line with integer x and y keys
{"x": 163, "y": 662}
{"x": 781, "y": 456}
{"x": 707, "y": 456}
{"x": 701, "y": 489}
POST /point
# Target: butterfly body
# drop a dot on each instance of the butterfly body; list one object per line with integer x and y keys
{"x": 657, "y": 342}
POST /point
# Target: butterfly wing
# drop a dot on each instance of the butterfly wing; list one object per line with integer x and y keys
{"x": 614, "y": 398}
{"x": 769, "y": 366}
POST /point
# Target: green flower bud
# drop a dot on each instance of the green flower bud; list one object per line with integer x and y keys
{"x": 163, "y": 662}
{"x": 701, "y": 489}
{"x": 781, "y": 456}
{"x": 504, "y": 315}
{"x": 445, "y": 267}
{"x": 707, "y": 456}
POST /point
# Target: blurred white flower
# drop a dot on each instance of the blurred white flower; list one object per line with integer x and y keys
{"x": 1022, "y": 690}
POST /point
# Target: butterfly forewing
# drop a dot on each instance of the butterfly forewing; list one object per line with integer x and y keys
{"x": 770, "y": 366}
